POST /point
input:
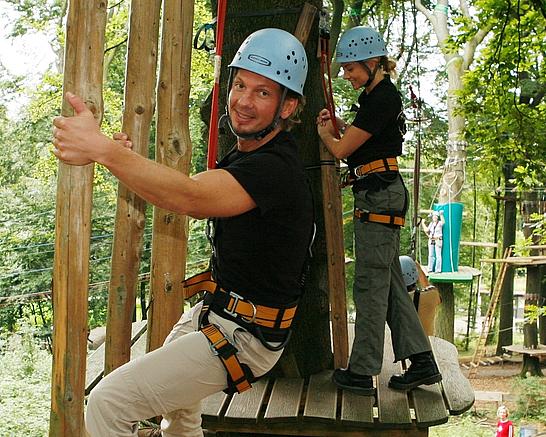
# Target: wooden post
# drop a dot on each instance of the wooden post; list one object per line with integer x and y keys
{"x": 83, "y": 76}
{"x": 173, "y": 148}
{"x": 140, "y": 80}
{"x": 333, "y": 223}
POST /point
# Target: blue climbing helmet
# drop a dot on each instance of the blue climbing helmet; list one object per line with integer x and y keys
{"x": 409, "y": 270}
{"x": 358, "y": 44}
{"x": 275, "y": 54}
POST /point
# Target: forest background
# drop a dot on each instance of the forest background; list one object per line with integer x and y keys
{"x": 504, "y": 135}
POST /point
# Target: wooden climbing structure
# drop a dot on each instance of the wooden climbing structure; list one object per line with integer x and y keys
{"x": 310, "y": 401}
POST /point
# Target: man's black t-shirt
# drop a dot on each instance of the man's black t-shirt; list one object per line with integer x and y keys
{"x": 260, "y": 254}
{"x": 381, "y": 115}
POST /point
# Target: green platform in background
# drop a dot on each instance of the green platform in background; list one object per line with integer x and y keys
{"x": 465, "y": 274}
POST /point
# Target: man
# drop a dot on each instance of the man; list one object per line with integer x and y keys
{"x": 262, "y": 212}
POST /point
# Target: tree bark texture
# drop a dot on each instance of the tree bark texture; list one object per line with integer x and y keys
{"x": 85, "y": 31}
{"x": 140, "y": 80}
{"x": 173, "y": 149}
{"x": 506, "y": 304}
{"x": 444, "y": 326}
{"x": 309, "y": 350}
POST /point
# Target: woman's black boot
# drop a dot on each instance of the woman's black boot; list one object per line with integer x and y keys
{"x": 422, "y": 371}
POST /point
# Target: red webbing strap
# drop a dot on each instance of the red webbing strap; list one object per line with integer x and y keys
{"x": 213, "y": 124}
{"x": 326, "y": 80}
{"x": 227, "y": 353}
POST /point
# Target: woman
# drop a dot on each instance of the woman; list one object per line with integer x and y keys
{"x": 371, "y": 145}
{"x": 434, "y": 231}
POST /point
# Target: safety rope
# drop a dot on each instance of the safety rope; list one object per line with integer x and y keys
{"x": 213, "y": 125}
{"x": 325, "y": 73}
{"x": 416, "y": 105}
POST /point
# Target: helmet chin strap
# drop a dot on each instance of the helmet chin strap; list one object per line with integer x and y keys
{"x": 371, "y": 74}
{"x": 225, "y": 118}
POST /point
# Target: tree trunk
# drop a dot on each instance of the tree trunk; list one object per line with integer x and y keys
{"x": 310, "y": 348}
{"x": 83, "y": 76}
{"x": 533, "y": 280}
{"x": 506, "y": 304}
{"x": 454, "y": 170}
{"x": 140, "y": 79}
{"x": 444, "y": 326}
{"x": 173, "y": 149}
{"x": 542, "y": 319}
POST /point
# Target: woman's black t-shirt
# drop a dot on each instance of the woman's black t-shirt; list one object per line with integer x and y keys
{"x": 381, "y": 115}
{"x": 260, "y": 254}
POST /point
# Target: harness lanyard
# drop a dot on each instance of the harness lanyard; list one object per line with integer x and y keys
{"x": 213, "y": 125}
{"x": 324, "y": 32}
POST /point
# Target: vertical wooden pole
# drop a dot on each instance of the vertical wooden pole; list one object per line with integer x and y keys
{"x": 333, "y": 223}
{"x": 140, "y": 80}
{"x": 83, "y": 76}
{"x": 173, "y": 148}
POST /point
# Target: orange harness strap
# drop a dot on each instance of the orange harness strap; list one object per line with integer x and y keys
{"x": 236, "y": 305}
{"x": 379, "y": 166}
{"x": 221, "y": 347}
{"x": 385, "y": 219}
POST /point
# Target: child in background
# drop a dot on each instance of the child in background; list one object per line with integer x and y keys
{"x": 505, "y": 428}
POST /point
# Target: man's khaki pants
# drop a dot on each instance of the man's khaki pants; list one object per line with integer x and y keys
{"x": 171, "y": 381}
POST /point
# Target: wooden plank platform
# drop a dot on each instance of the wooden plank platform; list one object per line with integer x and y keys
{"x": 464, "y": 274}
{"x": 316, "y": 407}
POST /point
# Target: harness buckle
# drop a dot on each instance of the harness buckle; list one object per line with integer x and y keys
{"x": 233, "y": 311}
{"x": 224, "y": 351}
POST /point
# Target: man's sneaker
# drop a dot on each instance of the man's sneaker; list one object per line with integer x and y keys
{"x": 359, "y": 384}
{"x": 422, "y": 371}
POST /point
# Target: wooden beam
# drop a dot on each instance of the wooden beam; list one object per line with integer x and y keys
{"x": 140, "y": 80}
{"x": 479, "y": 244}
{"x": 84, "y": 49}
{"x": 173, "y": 149}
{"x": 518, "y": 260}
{"x": 333, "y": 224}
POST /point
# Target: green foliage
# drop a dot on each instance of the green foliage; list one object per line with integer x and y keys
{"x": 531, "y": 402}
{"x": 533, "y": 312}
{"x": 25, "y": 375}
{"x": 500, "y": 128}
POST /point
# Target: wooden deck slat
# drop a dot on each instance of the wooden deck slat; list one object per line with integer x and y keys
{"x": 247, "y": 405}
{"x": 282, "y": 404}
{"x": 95, "y": 361}
{"x": 392, "y": 405}
{"x": 457, "y": 389}
{"x": 429, "y": 406}
{"x": 356, "y": 409}
{"x": 212, "y": 406}
{"x": 284, "y": 401}
{"x": 139, "y": 347}
{"x": 321, "y": 402}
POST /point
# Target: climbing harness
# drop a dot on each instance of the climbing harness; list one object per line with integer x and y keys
{"x": 361, "y": 171}
{"x": 325, "y": 73}
{"x": 379, "y": 166}
{"x": 384, "y": 218}
{"x": 270, "y": 325}
{"x": 213, "y": 125}
{"x": 236, "y": 307}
